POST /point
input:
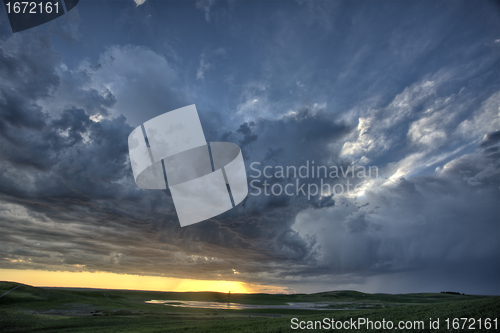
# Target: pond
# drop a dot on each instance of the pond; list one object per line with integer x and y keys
{"x": 239, "y": 306}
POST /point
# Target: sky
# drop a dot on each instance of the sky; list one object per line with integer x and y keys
{"x": 408, "y": 88}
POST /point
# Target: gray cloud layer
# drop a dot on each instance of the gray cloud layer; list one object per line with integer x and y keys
{"x": 430, "y": 222}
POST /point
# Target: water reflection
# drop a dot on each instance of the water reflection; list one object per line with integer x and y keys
{"x": 238, "y": 306}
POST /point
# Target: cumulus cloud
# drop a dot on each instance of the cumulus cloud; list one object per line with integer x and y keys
{"x": 415, "y": 224}
{"x": 72, "y": 187}
{"x": 140, "y": 78}
{"x": 436, "y": 126}
{"x": 69, "y": 200}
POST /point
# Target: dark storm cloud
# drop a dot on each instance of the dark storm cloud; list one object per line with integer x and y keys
{"x": 416, "y": 225}
{"x": 55, "y": 166}
{"x": 309, "y": 136}
{"x": 17, "y": 64}
{"x": 333, "y": 84}
{"x": 70, "y": 198}
{"x": 248, "y": 136}
{"x": 77, "y": 170}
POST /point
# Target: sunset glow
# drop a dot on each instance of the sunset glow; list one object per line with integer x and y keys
{"x": 107, "y": 280}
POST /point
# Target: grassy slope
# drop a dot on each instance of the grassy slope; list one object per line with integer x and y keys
{"x": 54, "y": 309}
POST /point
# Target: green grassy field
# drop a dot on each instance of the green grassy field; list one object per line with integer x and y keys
{"x": 32, "y": 309}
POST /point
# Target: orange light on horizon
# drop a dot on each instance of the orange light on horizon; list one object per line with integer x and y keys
{"x": 106, "y": 280}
